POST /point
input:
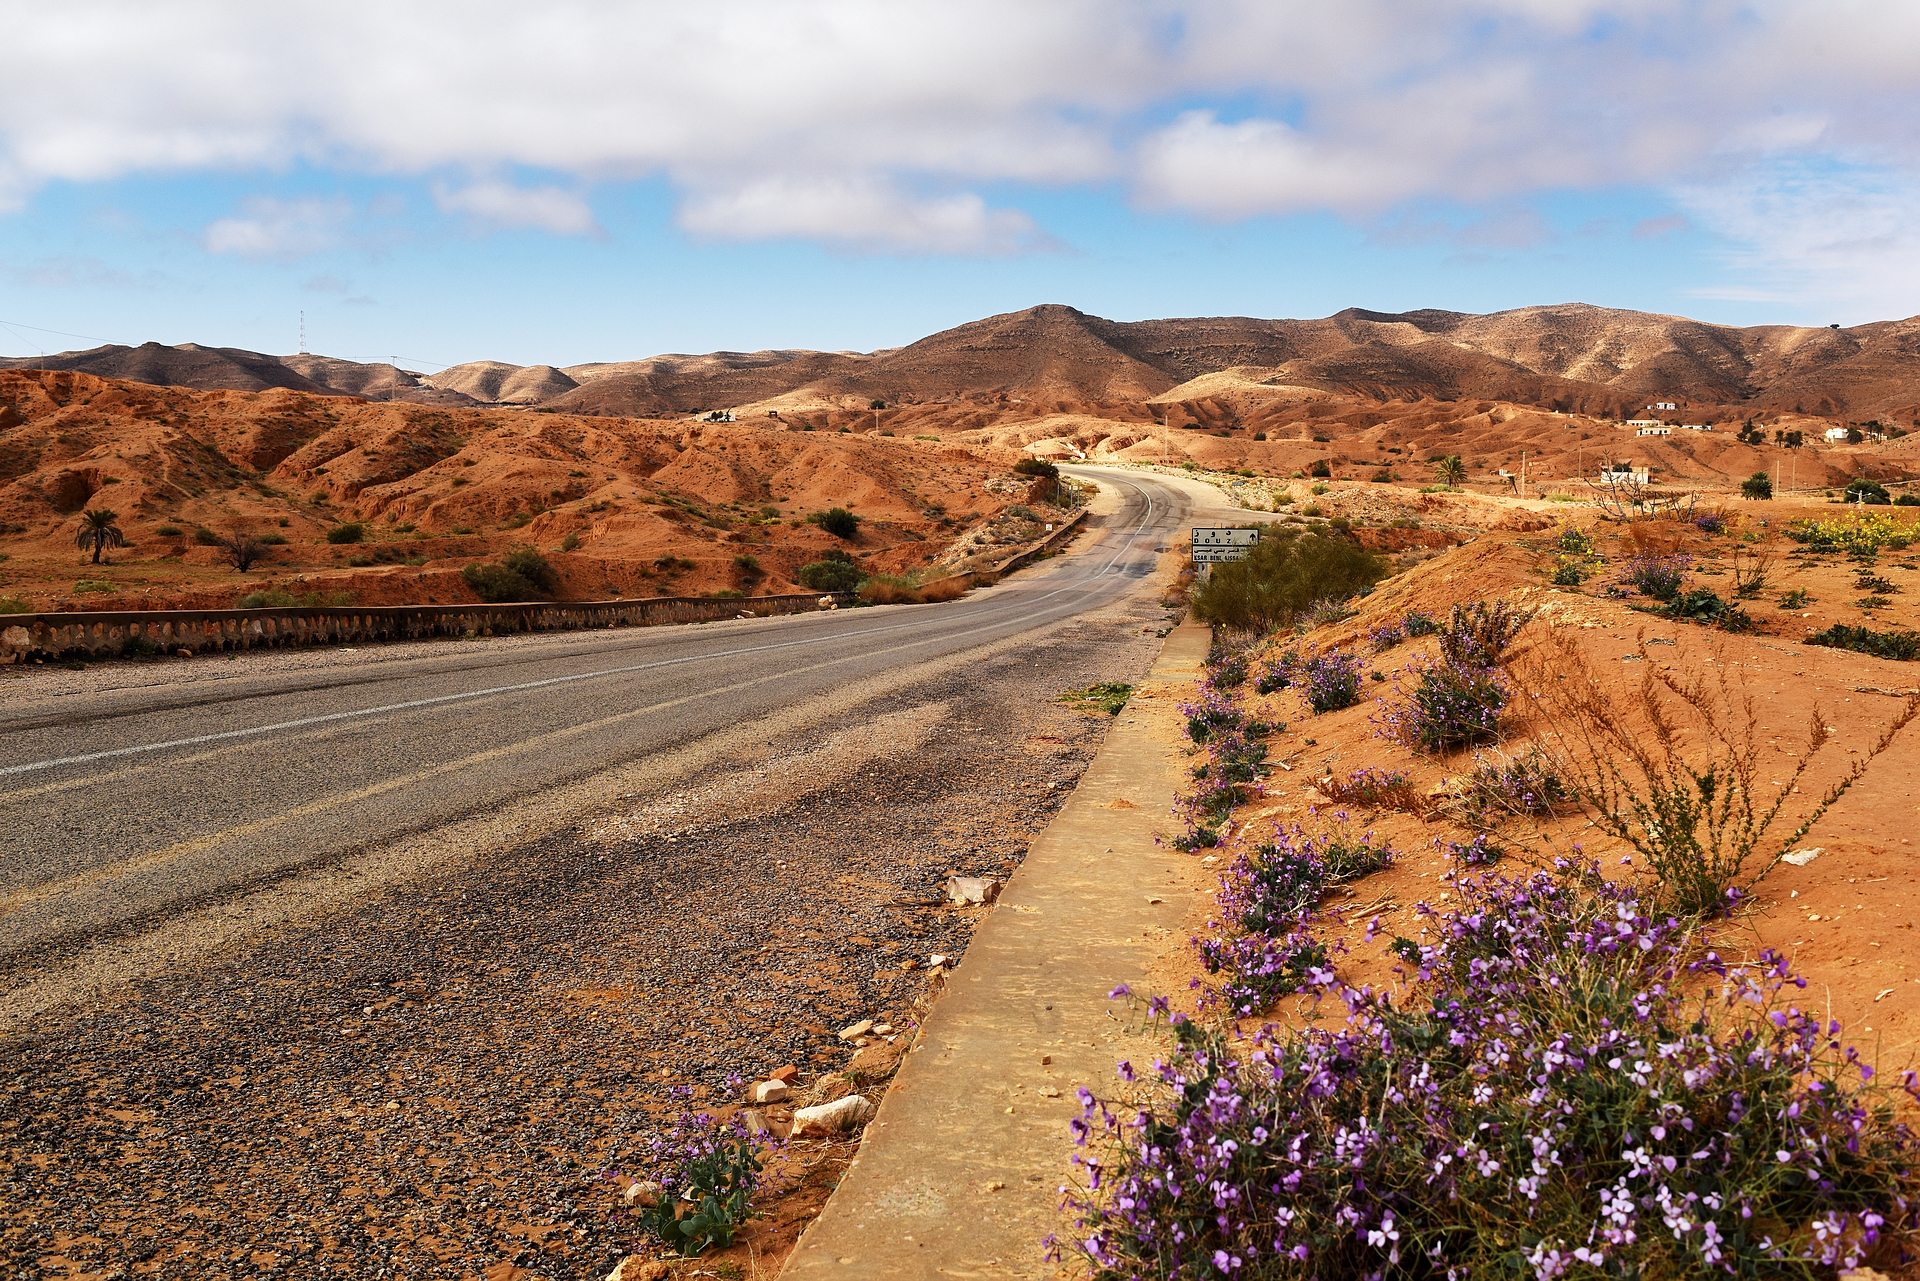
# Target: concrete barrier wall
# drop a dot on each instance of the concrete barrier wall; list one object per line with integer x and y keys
{"x": 105, "y": 635}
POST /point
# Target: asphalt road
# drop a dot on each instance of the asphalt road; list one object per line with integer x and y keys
{"x": 121, "y": 811}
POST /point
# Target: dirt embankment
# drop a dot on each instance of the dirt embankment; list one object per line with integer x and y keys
{"x": 1844, "y": 916}
{"x": 619, "y": 506}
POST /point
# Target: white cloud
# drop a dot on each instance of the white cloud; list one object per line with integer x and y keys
{"x": 859, "y": 215}
{"x": 830, "y": 118}
{"x": 280, "y": 229}
{"x": 495, "y": 204}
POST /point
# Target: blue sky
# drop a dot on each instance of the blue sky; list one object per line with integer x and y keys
{"x": 601, "y": 182}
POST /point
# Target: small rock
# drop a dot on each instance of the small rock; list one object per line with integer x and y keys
{"x": 1151, "y": 901}
{"x": 1864, "y": 1274}
{"x": 937, "y": 960}
{"x": 972, "y": 891}
{"x": 1048, "y": 1092}
{"x": 641, "y": 1192}
{"x": 836, "y": 1117}
{"x": 635, "y": 1268}
{"x": 1046, "y": 1059}
{"x": 995, "y": 1186}
{"x": 883, "y": 1029}
{"x": 183, "y": 652}
{"x": 854, "y": 1030}
{"x": 785, "y": 1073}
{"x": 1800, "y": 858}
{"x": 771, "y": 1092}
{"x": 756, "y": 1123}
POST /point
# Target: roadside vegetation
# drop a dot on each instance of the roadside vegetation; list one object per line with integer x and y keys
{"x": 1577, "y": 1081}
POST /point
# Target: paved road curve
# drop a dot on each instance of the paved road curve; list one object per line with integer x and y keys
{"x": 120, "y": 810}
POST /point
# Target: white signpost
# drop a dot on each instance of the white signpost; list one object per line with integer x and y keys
{"x": 1217, "y": 546}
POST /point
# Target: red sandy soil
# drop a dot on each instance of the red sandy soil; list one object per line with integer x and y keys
{"x": 440, "y": 489}
{"x": 1845, "y": 920}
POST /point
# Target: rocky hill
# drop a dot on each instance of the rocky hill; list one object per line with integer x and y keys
{"x": 1571, "y": 357}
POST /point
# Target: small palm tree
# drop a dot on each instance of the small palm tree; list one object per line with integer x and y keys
{"x": 1450, "y": 471}
{"x": 98, "y": 531}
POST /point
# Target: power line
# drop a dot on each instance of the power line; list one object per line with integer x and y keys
{"x": 40, "y": 329}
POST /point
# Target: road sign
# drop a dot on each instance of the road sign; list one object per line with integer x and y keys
{"x": 1219, "y": 555}
{"x": 1206, "y": 537}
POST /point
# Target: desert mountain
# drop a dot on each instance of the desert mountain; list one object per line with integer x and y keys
{"x": 1569, "y": 357}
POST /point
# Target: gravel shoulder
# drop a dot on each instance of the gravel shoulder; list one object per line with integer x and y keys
{"x": 443, "y": 1073}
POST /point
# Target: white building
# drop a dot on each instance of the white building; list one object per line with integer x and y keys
{"x": 1643, "y": 422}
{"x": 1659, "y": 405}
{"x": 1696, "y": 426}
{"x": 1836, "y": 433}
{"x": 1655, "y": 431}
{"x": 1630, "y": 474}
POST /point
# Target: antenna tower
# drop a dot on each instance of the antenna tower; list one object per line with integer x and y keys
{"x": 303, "y": 333}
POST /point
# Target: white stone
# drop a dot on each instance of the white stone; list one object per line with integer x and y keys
{"x": 641, "y": 1192}
{"x": 771, "y": 1092}
{"x": 883, "y": 1029}
{"x": 837, "y": 1117}
{"x": 969, "y": 891}
{"x": 635, "y": 1268}
{"x": 1800, "y": 858}
{"x": 937, "y": 960}
{"x": 853, "y": 1030}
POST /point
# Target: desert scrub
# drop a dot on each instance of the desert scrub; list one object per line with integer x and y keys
{"x": 1261, "y": 944}
{"x": 1674, "y": 769}
{"x": 1562, "y": 1094}
{"x": 1661, "y": 577}
{"x": 1288, "y": 572}
{"x": 1413, "y": 623}
{"x": 1903, "y": 646}
{"x": 1329, "y": 681}
{"x": 1452, "y": 704}
{"x": 1481, "y": 632}
{"x": 523, "y": 574}
{"x": 833, "y": 572}
{"x": 1527, "y": 784}
{"x": 1374, "y": 789}
{"x": 708, "y": 1170}
{"x": 1865, "y": 532}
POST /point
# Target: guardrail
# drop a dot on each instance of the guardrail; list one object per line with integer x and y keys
{"x": 27, "y": 636}
{"x": 165, "y": 631}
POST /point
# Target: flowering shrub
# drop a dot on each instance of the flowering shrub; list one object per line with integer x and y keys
{"x": 1266, "y": 897}
{"x": 1329, "y": 681}
{"x": 1575, "y": 542}
{"x": 1413, "y": 623}
{"x": 1568, "y": 573}
{"x": 1660, "y": 577}
{"x": 1565, "y": 1098}
{"x": 1280, "y": 674}
{"x": 707, "y": 1170}
{"x": 1858, "y": 531}
{"x": 1212, "y": 711}
{"x": 1710, "y": 523}
{"x": 1454, "y": 703}
{"x": 1227, "y": 663}
{"x": 1474, "y": 853}
{"x": 1528, "y": 784}
{"x": 1478, "y": 634}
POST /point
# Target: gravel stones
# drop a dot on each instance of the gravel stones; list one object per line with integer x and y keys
{"x": 830, "y": 1120}
{"x": 533, "y": 1011}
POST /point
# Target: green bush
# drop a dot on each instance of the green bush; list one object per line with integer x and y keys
{"x": 522, "y": 574}
{"x": 1036, "y": 467}
{"x": 275, "y": 598}
{"x": 532, "y": 566}
{"x": 14, "y": 605}
{"x": 169, "y": 531}
{"x": 1904, "y": 646}
{"x": 570, "y": 543}
{"x": 1288, "y": 572}
{"x": 747, "y": 564}
{"x": 837, "y": 521}
{"x": 204, "y": 536}
{"x": 1757, "y": 486}
{"x": 352, "y": 532}
{"x": 834, "y": 572}
{"x": 1870, "y": 492}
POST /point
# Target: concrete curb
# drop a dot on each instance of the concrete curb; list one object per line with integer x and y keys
{"x": 959, "y": 1174}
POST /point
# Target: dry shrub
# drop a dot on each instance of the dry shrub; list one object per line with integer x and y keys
{"x": 1673, "y": 769}
{"x": 945, "y": 589}
{"x": 881, "y": 590}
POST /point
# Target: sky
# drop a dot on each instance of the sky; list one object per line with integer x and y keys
{"x": 567, "y": 182}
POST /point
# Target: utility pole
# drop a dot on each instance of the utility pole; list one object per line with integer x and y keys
{"x": 1523, "y": 475}
{"x": 303, "y": 333}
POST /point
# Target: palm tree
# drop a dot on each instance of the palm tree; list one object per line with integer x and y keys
{"x": 98, "y": 531}
{"x": 1451, "y": 472}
